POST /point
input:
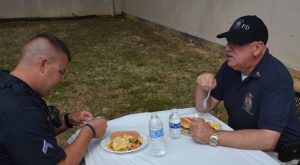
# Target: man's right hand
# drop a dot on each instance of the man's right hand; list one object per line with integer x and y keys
{"x": 206, "y": 81}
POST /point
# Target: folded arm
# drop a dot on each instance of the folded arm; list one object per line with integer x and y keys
{"x": 256, "y": 139}
{"x": 76, "y": 150}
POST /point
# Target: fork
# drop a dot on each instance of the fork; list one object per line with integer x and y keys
{"x": 204, "y": 104}
{"x": 85, "y": 122}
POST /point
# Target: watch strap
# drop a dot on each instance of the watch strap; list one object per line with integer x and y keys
{"x": 67, "y": 121}
{"x": 92, "y": 128}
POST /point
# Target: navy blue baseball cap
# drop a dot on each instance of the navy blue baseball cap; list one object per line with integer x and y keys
{"x": 245, "y": 30}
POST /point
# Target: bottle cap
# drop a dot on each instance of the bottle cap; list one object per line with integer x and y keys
{"x": 153, "y": 114}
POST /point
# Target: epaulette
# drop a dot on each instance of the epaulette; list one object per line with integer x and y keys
{"x": 5, "y": 85}
{"x": 31, "y": 92}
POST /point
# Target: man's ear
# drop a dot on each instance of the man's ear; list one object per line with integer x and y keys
{"x": 258, "y": 48}
{"x": 43, "y": 64}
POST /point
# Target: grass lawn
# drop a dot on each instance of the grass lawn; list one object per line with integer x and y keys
{"x": 120, "y": 66}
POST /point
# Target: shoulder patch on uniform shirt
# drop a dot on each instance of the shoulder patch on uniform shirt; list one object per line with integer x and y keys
{"x": 5, "y": 85}
{"x": 46, "y": 145}
{"x": 248, "y": 103}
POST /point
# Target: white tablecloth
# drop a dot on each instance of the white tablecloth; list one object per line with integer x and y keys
{"x": 182, "y": 151}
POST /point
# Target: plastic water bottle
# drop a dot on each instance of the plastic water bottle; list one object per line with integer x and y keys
{"x": 174, "y": 125}
{"x": 156, "y": 133}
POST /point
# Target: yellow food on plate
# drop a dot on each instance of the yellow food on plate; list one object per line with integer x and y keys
{"x": 125, "y": 141}
{"x": 215, "y": 125}
{"x": 186, "y": 124}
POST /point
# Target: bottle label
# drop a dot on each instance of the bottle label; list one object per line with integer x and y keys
{"x": 157, "y": 133}
{"x": 174, "y": 125}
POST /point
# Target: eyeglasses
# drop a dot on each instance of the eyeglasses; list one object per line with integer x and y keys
{"x": 237, "y": 46}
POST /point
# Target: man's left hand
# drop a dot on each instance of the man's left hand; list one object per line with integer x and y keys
{"x": 201, "y": 131}
{"x": 79, "y": 117}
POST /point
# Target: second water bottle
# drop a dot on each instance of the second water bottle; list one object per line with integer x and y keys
{"x": 174, "y": 124}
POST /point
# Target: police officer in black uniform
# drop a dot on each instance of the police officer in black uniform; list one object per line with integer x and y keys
{"x": 27, "y": 125}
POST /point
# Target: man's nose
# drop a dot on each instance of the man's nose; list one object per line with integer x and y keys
{"x": 228, "y": 48}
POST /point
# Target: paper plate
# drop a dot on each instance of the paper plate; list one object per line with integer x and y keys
{"x": 106, "y": 148}
{"x": 213, "y": 122}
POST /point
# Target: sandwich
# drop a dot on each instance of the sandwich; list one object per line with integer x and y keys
{"x": 124, "y": 140}
{"x": 185, "y": 123}
{"x": 215, "y": 125}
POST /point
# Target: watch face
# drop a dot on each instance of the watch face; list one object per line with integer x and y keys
{"x": 213, "y": 140}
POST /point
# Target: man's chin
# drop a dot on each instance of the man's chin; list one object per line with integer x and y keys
{"x": 47, "y": 93}
{"x": 231, "y": 64}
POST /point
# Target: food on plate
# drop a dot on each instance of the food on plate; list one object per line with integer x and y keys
{"x": 124, "y": 140}
{"x": 185, "y": 123}
{"x": 121, "y": 133}
{"x": 215, "y": 125}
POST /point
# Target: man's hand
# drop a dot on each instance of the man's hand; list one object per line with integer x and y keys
{"x": 201, "y": 131}
{"x": 206, "y": 81}
{"x": 94, "y": 127}
{"x": 79, "y": 117}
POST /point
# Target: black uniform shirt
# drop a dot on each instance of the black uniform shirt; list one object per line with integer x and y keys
{"x": 27, "y": 137}
{"x": 264, "y": 100}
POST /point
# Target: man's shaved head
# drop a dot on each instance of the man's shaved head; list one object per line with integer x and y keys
{"x": 43, "y": 45}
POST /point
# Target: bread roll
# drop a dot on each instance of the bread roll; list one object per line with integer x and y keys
{"x": 185, "y": 123}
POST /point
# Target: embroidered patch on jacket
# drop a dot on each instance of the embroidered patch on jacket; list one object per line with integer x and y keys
{"x": 46, "y": 145}
{"x": 248, "y": 102}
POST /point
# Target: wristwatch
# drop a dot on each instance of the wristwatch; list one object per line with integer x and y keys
{"x": 67, "y": 121}
{"x": 213, "y": 140}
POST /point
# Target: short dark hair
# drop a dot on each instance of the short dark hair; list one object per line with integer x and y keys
{"x": 55, "y": 41}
